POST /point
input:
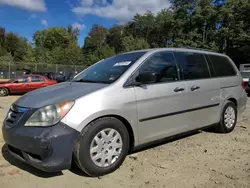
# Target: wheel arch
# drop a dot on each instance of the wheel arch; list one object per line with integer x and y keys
{"x": 233, "y": 100}
{"x": 6, "y": 88}
{"x": 126, "y": 124}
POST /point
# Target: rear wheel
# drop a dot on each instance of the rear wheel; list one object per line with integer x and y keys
{"x": 228, "y": 118}
{"x": 4, "y": 92}
{"x": 102, "y": 146}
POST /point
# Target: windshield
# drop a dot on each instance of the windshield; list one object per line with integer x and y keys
{"x": 245, "y": 74}
{"x": 108, "y": 70}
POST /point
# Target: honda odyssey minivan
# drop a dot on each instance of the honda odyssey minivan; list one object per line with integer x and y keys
{"x": 122, "y": 103}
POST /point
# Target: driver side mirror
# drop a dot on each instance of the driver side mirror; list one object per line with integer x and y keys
{"x": 146, "y": 78}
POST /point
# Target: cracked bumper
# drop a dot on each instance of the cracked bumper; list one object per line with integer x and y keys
{"x": 49, "y": 149}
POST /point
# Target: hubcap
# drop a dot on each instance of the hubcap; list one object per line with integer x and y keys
{"x": 106, "y": 147}
{"x": 2, "y": 92}
{"x": 229, "y": 117}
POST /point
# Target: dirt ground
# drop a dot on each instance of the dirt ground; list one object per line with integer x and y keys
{"x": 205, "y": 159}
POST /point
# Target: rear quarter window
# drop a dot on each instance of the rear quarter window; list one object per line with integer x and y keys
{"x": 222, "y": 66}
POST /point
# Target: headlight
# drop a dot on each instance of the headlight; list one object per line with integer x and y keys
{"x": 49, "y": 115}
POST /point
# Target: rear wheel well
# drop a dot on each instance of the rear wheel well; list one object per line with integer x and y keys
{"x": 233, "y": 100}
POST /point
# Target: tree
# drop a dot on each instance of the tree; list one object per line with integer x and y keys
{"x": 73, "y": 55}
{"x": 30, "y": 56}
{"x": 96, "y": 38}
{"x": 114, "y": 38}
{"x": 220, "y": 25}
{"x": 73, "y": 33}
{"x": 5, "y": 60}
{"x": 143, "y": 25}
{"x": 232, "y": 35}
{"x": 2, "y": 36}
{"x": 130, "y": 43}
{"x": 16, "y": 46}
{"x": 102, "y": 53}
{"x": 57, "y": 46}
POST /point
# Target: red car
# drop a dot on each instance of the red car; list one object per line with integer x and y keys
{"x": 24, "y": 84}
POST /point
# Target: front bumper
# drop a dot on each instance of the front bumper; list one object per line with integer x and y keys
{"x": 49, "y": 149}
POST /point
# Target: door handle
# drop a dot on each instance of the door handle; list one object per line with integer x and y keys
{"x": 193, "y": 88}
{"x": 178, "y": 89}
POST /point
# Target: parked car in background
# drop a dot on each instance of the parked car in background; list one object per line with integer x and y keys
{"x": 246, "y": 79}
{"x": 24, "y": 84}
{"x": 244, "y": 67}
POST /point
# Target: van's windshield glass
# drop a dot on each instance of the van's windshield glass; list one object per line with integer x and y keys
{"x": 108, "y": 70}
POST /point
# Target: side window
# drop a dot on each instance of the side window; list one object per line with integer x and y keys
{"x": 193, "y": 65}
{"x": 163, "y": 64}
{"x": 22, "y": 79}
{"x": 36, "y": 79}
{"x": 222, "y": 66}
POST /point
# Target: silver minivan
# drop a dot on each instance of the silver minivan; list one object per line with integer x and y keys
{"x": 122, "y": 103}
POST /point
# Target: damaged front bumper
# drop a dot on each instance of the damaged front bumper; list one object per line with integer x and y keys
{"x": 49, "y": 149}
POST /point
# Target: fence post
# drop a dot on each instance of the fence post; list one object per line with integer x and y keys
{"x": 56, "y": 67}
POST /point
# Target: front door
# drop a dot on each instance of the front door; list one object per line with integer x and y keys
{"x": 161, "y": 105}
{"x": 20, "y": 85}
{"x": 203, "y": 91}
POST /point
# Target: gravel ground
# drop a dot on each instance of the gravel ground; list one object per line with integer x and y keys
{"x": 205, "y": 159}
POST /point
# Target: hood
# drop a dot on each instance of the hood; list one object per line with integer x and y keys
{"x": 57, "y": 93}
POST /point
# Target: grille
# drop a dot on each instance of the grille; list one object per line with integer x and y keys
{"x": 14, "y": 115}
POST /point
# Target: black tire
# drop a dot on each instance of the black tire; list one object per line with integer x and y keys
{"x": 4, "y": 92}
{"x": 221, "y": 127}
{"x": 82, "y": 155}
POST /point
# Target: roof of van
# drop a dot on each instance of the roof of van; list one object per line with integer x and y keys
{"x": 180, "y": 50}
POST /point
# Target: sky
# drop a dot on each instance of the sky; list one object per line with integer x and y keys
{"x": 25, "y": 17}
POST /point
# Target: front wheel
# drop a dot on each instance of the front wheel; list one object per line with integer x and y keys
{"x": 4, "y": 92}
{"x": 102, "y": 146}
{"x": 228, "y": 118}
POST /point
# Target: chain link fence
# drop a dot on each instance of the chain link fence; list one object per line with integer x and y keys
{"x": 9, "y": 70}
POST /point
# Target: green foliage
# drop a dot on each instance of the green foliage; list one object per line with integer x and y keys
{"x": 219, "y": 25}
{"x": 30, "y": 56}
{"x": 5, "y": 60}
{"x": 130, "y": 43}
{"x": 114, "y": 38}
{"x": 95, "y": 39}
{"x": 95, "y": 56}
{"x": 15, "y": 45}
{"x": 53, "y": 38}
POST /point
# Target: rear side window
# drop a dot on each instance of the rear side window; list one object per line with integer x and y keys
{"x": 222, "y": 66}
{"x": 193, "y": 65}
{"x": 36, "y": 79}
